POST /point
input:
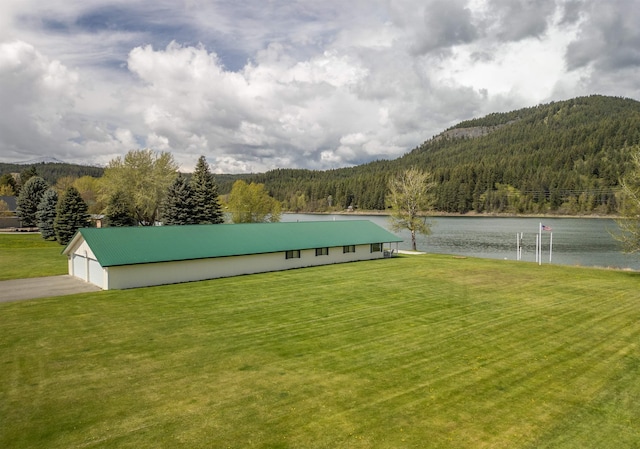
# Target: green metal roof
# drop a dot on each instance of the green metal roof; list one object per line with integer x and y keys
{"x": 137, "y": 245}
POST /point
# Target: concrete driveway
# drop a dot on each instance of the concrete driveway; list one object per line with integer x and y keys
{"x": 18, "y": 289}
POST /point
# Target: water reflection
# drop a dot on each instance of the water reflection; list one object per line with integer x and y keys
{"x": 576, "y": 241}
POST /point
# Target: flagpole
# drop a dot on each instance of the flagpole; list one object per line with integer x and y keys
{"x": 518, "y": 246}
{"x": 540, "y": 246}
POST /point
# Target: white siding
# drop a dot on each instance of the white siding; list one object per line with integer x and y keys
{"x": 131, "y": 276}
{"x": 83, "y": 265}
{"x": 83, "y": 249}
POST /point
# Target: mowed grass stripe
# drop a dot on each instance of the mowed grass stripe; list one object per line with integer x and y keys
{"x": 28, "y": 256}
{"x": 425, "y": 351}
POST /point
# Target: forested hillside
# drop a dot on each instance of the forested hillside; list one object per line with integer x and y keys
{"x": 562, "y": 157}
{"x": 51, "y": 172}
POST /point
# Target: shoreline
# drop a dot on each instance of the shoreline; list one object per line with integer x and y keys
{"x": 453, "y": 215}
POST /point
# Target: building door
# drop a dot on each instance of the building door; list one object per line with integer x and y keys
{"x": 96, "y": 273}
{"x": 80, "y": 267}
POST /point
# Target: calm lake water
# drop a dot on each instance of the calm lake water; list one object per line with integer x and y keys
{"x": 576, "y": 241}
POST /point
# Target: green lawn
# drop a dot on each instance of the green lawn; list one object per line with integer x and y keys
{"x": 28, "y": 255}
{"x": 413, "y": 352}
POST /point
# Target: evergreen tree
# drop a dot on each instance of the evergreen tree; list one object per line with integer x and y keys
{"x": 46, "y": 214}
{"x": 27, "y": 174}
{"x": 119, "y": 211}
{"x": 178, "y": 205}
{"x": 71, "y": 215}
{"x": 206, "y": 206}
{"x": 29, "y": 198}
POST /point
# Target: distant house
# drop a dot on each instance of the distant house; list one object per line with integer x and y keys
{"x": 12, "y": 202}
{"x": 129, "y": 257}
{"x": 10, "y": 220}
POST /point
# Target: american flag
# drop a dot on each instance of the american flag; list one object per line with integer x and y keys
{"x": 546, "y": 228}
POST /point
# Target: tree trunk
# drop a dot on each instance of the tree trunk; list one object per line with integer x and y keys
{"x": 413, "y": 240}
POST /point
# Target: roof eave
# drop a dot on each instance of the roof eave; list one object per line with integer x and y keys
{"x": 72, "y": 243}
{"x": 145, "y": 262}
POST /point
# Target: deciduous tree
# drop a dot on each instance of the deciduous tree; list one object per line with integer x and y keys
{"x": 144, "y": 176}
{"x": 8, "y": 185}
{"x": 4, "y": 209}
{"x": 29, "y": 198}
{"x": 71, "y": 215}
{"x": 64, "y": 182}
{"x": 89, "y": 188}
{"x": 6, "y": 190}
{"x": 251, "y": 203}
{"x": 410, "y": 194}
{"x": 630, "y": 222}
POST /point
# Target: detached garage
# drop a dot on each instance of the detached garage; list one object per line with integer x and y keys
{"x": 129, "y": 257}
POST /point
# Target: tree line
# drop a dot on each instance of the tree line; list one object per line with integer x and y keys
{"x": 49, "y": 171}
{"x": 56, "y": 216}
{"x": 141, "y": 189}
{"x": 564, "y": 157}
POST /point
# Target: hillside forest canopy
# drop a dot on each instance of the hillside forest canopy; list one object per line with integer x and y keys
{"x": 564, "y": 157}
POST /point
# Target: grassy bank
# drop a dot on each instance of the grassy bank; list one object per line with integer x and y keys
{"x": 413, "y": 352}
{"x": 28, "y": 255}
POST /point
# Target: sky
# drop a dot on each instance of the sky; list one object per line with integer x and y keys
{"x": 255, "y": 85}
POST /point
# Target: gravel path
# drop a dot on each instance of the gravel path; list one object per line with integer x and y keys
{"x": 20, "y": 289}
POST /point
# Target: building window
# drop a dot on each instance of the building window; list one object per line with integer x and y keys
{"x": 376, "y": 247}
{"x": 349, "y": 249}
{"x": 295, "y": 254}
{"x": 322, "y": 251}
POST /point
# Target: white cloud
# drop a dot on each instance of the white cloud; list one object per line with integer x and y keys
{"x": 255, "y": 85}
{"x": 36, "y": 95}
{"x": 529, "y": 69}
{"x": 189, "y": 100}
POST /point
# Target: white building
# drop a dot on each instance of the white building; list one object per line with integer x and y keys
{"x": 129, "y": 257}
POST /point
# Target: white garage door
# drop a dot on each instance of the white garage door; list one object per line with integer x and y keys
{"x": 95, "y": 273}
{"x": 80, "y": 267}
